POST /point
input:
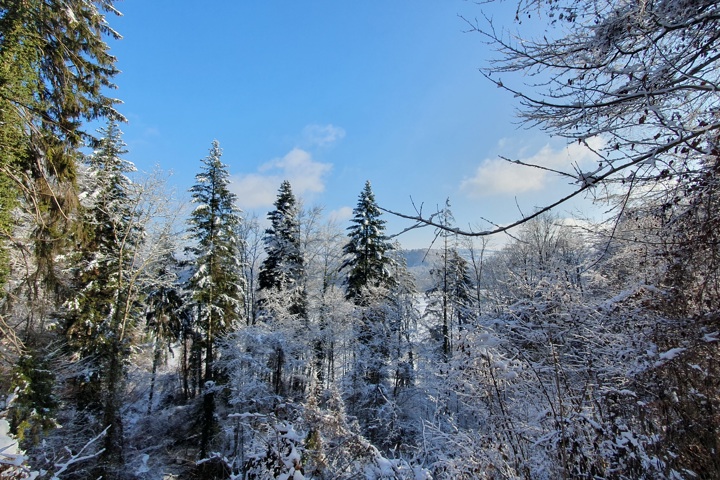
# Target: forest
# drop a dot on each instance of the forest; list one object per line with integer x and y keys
{"x": 142, "y": 340}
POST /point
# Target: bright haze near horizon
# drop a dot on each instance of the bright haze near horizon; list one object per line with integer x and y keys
{"x": 328, "y": 94}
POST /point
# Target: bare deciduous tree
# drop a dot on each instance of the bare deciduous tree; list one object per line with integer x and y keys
{"x": 642, "y": 76}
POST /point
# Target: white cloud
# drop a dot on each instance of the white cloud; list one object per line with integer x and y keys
{"x": 254, "y": 190}
{"x": 499, "y": 177}
{"x": 322, "y": 135}
{"x": 297, "y": 166}
{"x": 341, "y": 214}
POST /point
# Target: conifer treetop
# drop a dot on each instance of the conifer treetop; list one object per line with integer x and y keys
{"x": 367, "y": 261}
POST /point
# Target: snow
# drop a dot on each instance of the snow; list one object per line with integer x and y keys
{"x": 143, "y": 468}
{"x": 672, "y": 353}
{"x": 668, "y": 355}
{"x": 12, "y": 456}
{"x": 588, "y": 179}
{"x": 711, "y": 337}
{"x": 8, "y": 446}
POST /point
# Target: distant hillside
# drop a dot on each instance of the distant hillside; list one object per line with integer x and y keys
{"x": 419, "y": 262}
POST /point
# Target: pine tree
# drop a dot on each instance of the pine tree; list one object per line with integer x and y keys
{"x": 367, "y": 260}
{"x": 216, "y": 282}
{"x": 283, "y": 270}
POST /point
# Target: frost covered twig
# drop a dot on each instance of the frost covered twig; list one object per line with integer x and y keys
{"x": 79, "y": 457}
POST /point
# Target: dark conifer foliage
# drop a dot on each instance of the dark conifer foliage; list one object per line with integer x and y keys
{"x": 368, "y": 285}
{"x": 367, "y": 262}
{"x": 55, "y": 71}
{"x": 110, "y": 238}
{"x": 283, "y": 270}
{"x": 104, "y": 310}
{"x": 166, "y": 314}
{"x": 216, "y": 282}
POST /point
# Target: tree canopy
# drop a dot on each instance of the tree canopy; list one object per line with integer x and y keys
{"x": 367, "y": 262}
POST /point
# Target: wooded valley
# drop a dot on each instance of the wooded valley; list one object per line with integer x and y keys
{"x": 145, "y": 339}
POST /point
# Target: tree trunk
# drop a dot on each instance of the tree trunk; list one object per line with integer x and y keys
{"x": 112, "y": 457}
{"x": 156, "y": 361}
{"x": 208, "y": 393}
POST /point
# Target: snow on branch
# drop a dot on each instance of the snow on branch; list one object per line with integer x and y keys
{"x": 585, "y": 184}
{"x": 79, "y": 457}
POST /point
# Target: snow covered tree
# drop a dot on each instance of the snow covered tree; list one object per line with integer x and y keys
{"x": 367, "y": 284}
{"x": 166, "y": 313}
{"x": 546, "y": 252}
{"x": 640, "y": 77}
{"x": 322, "y": 244}
{"x": 368, "y": 279}
{"x": 396, "y": 424}
{"x": 282, "y": 293}
{"x": 216, "y": 280}
{"x": 98, "y": 315}
{"x": 251, "y": 236}
{"x": 110, "y": 238}
{"x": 367, "y": 263}
{"x": 55, "y": 73}
{"x": 283, "y": 270}
{"x": 125, "y": 237}
{"x": 636, "y": 74}
{"x": 402, "y": 317}
{"x": 450, "y": 299}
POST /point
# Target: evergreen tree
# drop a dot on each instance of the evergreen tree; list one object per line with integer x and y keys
{"x": 108, "y": 241}
{"x": 165, "y": 313}
{"x": 216, "y": 281}
{"x": 55, "y": 68}
{"x": 368, "y": 281}
{"x": 100, "y": 316}
{"x": 450, "y": 298}
{"x": 368, "y": 285}
{"x": 283, "y": 270}
{"x": 54, "y": 72}
{"x": 367, "y": 260}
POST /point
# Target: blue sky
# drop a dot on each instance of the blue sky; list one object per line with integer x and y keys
{"x": 329, "y": 94}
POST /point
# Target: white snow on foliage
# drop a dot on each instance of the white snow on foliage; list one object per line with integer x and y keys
{"x": 711, "y": 337}
{"x": 669, "y": 355}
{"x": 12, "y": 456}
{"x": 672, "y": 353}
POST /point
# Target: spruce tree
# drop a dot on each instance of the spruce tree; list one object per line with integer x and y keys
{"x": 109, "y": 239}
{"x": 450, "y": 298}
{"x": 55, "y": 70}
{"x": 283, "y": 270}
{"x": 165, "y": 314}
{"x": 367, "y": 261}
{"x": 104, "y": 309}
{"x": 369, "y": 279}
{"x": 216, "y": 281}
{"x": 368, "y": 285}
